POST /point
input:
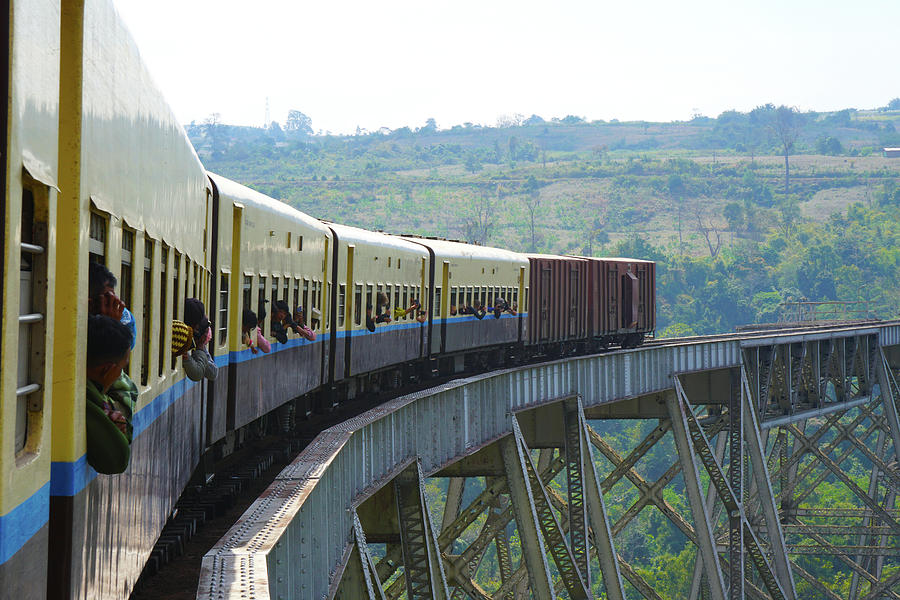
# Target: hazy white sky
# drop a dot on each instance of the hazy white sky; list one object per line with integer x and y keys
{"x": 395, "y": 63}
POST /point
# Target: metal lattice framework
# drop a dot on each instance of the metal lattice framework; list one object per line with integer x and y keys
{"x": 758, "y": 429}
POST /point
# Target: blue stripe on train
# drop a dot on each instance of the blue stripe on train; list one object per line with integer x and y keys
{"x": 22, "y": 523}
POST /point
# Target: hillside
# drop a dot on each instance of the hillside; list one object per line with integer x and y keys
{"x": 706, "y": 198}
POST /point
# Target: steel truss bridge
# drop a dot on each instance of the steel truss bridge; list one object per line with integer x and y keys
{"x": 760, "y": 421}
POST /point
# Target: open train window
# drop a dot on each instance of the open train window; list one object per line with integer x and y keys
{"x": 397, "y": 297}
{"x": 357, "y": 305}
{"x": 453, "y": 297}
{"x": 296, "y": 293}
{"x": 515, "y": 299}
{"x": 146, "y": 308}
{"x": 307, "y": 307}
{"x": 285, "y": 289}
{"x": 398, "y": 263}
{"x": 30, "y": 372}
{"x": 483, "y": 298}
{"x": 247, "y": 294}
{"x": 126, "y": 273}
{"x": 97, "y": 237}
{"x": 177, "y": 295}
{"x": 405, "y": 300}
{"x": 163, "y": 309}
{"x": 342, "y": 292}
{"x": 437, "y": 302}
{"x": 300, "y": 243}
{"x": 275, "y": 284}
{"x": 261, "y": 305}
{"x": 223, "y": 308}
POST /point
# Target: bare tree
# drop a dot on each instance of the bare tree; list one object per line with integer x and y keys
{"x": 532, "y": 201}
{"x": 711, "y": 232}
{"x": 787, "y": 123}
{"x": 477, "y": 221}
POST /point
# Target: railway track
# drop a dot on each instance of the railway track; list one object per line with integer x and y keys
{"x": 205, "y": 512}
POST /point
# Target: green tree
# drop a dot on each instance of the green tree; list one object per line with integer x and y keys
{"x": 298, "y": 122}
{"x": 473, "y": 163}
{"x": 532, "y": 201}
{"x": 676, "y": 188}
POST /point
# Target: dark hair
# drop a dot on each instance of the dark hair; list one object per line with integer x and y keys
{"x": 195, "y": 316}
{"x": 108, "y": 340}
{"x": 98, "y": 278}
{"x": 282, "y": 305}
{"x": 249, "y": 319}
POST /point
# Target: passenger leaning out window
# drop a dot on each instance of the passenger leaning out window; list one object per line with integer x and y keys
{"x": 102, "y": 299}
{"x": 198, "y": 364}
{"x": 110, "y": 395}
{"x": 302, "y": 329}
{"x": 250, "y": 330}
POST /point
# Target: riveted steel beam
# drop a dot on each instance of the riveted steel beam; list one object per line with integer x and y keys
{"x": 354, "y": 582}
{"x": 369, "y": 571}
{"x": 421, "y": 559}
{"x": 455, "y": 488}
{"x": 705, "y": 540}
{"x": 763, "y": 489}
{"x": 575, "y": 484}
{"x": 556, "y": 541}
{"x": 596, "y": 511}
{"x": 533, "y": 550}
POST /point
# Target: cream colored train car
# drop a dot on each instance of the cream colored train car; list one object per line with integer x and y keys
{"x": 464, "y": 275}
{"x": 366, "y": 263}
{"x": 266, "y": 251}
{"x": 28, "y": 225}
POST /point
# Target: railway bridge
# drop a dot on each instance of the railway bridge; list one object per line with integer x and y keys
{"x": 756, "y": 423}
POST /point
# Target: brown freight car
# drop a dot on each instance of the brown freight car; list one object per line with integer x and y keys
{"x": 622, "y": 305}
{"x": 558, "y": 304}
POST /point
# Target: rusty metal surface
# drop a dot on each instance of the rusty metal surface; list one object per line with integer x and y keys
{"x": 303, "y": 524}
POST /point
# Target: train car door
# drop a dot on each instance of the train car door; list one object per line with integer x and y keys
{"x": 630, "y": 299}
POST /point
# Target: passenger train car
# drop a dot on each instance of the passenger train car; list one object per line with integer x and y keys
{"x": 97, "y": 168}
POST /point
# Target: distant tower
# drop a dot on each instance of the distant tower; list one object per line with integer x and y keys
{"x": 266, "y": 122}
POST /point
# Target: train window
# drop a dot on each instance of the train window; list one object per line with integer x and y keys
{"x": 453, "y": 292}
{"x": 275, "y": 283}
{"x": 195, "y": 292}
{"x": 163, "y": 310}
{"x": 357, "y": 305}
{"x": 405, "y": 300}
{"x": 483, "y": 297}
{"x": 97, "y": 243}
{"x": 525, "y": 300}
{"x": 32, "y": 325}
{"x": 397, "y": 297}
{"x": 125, "y": 275}
{"x": 261, "y": 304}
{"x": 285, "y": 289}
{"x": 398, "y": 263}
{"x": 146, "y": 309}
{"x": 490, "y": 300}
{"x": 247, "y": 292}
{"x": 306, "y": 305}
{"x": 370, "y": 301}
{"x": 389, "y": 261}
{"x": 340, "y": 308}
{"x": 515, "y": 299}
{"x": 289, "y": 240}
{"x": 223, "y": 308}
{"x": 177, "y": 294}
{"x": 300, "y": 243}
{"x": 437, "y": 302}
{"x": 296, "y": 293}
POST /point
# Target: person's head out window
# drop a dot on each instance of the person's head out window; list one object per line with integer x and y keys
{"x": 249, "y": 322}
{"x": 108, "y": 350}
{"x": 102, "y": 299}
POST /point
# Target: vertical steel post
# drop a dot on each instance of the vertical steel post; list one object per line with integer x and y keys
{"x": 736, "y": 481}
{"x": 721, "y": 445}
{"x": 575, "y": 483}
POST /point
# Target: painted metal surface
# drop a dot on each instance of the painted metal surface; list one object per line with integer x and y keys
{"x": 30, "y": 162}
{"x": 559, "y": 299}
{"x": 302, "y": 525}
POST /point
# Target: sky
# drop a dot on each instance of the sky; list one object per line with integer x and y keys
{"x": 397, "y": 63}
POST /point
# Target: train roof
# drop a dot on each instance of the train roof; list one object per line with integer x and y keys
{"x": 249, "y": 197}
{"x": 617, "y": 259}
{"x": 373, "y": 238}
{"x": 462, "y": 249}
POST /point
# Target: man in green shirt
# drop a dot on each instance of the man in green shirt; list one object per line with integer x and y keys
{"x": 110, "y": 395}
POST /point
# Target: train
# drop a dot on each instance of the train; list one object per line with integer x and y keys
{"x": 98, "y": 169}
